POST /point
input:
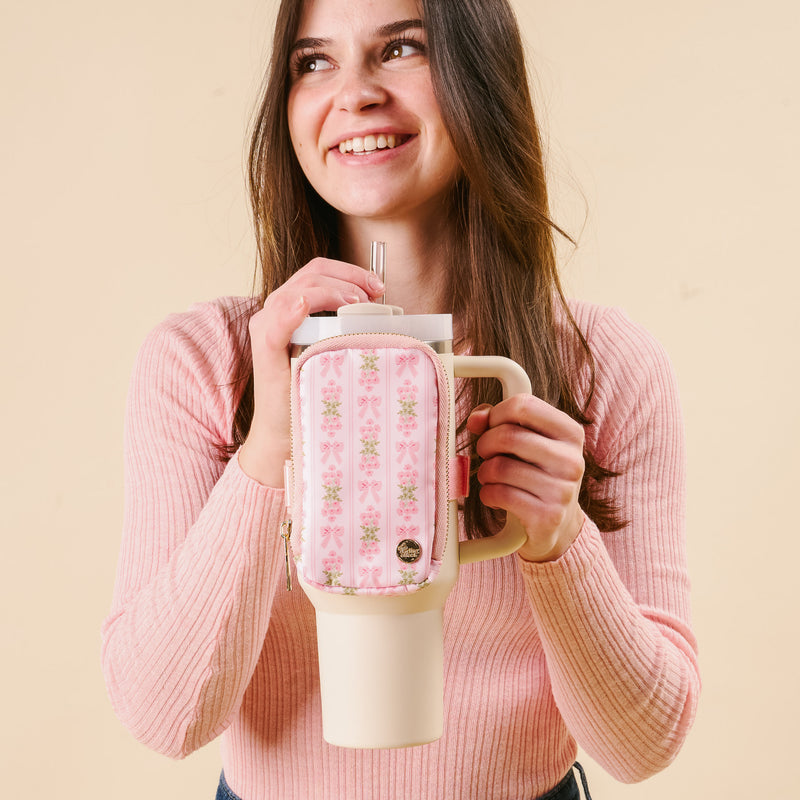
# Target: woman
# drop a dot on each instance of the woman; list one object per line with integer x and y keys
{"x": 408, "y": 123}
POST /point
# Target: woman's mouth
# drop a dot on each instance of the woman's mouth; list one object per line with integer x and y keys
{"x": 361, "y": 145}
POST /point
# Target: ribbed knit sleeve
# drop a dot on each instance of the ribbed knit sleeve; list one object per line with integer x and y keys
{"x": 613, "y": 612}
{"x": 201, "y": 551}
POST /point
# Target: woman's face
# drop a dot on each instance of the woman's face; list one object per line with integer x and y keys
{"x": 363, "y": 120}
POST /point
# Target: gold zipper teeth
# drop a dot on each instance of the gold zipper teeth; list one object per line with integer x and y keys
{"x": 286, "y": 534}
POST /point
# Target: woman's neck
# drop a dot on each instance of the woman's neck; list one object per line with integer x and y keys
{"x": 416, "y": 268}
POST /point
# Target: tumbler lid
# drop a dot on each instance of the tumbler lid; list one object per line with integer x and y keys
{"x": 374, "y": 318}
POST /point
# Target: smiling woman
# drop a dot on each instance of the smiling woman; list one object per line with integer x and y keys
{"x": 409, "y": 123}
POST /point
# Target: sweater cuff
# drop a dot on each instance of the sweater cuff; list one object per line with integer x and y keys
{"x": 245, "y": 509}
{"x": 550, "y": 581}
{"x": 273, "y": 493}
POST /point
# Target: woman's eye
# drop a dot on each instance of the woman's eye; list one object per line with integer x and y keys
{"x": 403, "y": 50}
{"x": 311, "y": 64}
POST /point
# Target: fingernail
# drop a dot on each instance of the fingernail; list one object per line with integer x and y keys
{"x": 300, "y": 304}
{"x": 352, "y": 298}
{"x": 375, "y": 282}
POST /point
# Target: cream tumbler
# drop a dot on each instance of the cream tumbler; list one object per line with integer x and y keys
{"x": 381, "y": 654}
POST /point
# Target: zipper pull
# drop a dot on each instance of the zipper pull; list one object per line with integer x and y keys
{"x": 286, "y": 534}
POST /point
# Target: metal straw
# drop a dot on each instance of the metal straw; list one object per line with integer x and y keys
{"x": 377, "y": 263}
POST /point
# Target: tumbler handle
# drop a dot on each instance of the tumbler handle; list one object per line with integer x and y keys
{"x": 514, "y": 380}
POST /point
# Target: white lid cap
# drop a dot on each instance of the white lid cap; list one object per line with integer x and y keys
{"x": 373, "y": 318}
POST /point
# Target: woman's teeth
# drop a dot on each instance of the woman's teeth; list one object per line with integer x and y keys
{"x": 370, "y": 143}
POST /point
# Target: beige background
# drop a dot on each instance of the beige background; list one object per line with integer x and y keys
{"x": 674, "y": 124}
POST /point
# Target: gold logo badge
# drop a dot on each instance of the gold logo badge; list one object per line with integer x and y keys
{"x": 409, "y": 551}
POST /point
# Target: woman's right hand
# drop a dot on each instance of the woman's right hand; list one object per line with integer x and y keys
{"x": 321, "y": 285}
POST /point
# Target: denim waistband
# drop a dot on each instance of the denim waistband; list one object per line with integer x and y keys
{"x": 224, "y": 791}
{"x": 567, "y": 789}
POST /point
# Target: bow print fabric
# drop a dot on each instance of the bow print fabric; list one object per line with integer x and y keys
{"x": 369, "y": 417}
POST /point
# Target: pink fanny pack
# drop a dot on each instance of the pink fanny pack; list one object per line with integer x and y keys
{"x": 370, "y": 474}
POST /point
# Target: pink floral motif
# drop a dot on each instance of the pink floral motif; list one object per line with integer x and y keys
{"x": 331, "y": 425}
{"x": 332, "y": 569}
{"x": 331, "y": 408}
{"x": 407, "y": 576}
{"x": 370, "y": 516}
{"x": 370, "y": 455}
{"x": 407, "y": 500}
{"x": 370, "y": 429}
{"x": 407, "y": 426}
{"x": 369, "y": 549}
{"x": 332, "y": 493}
{"x": 370, "y": 528}
{"x": 369, "y": 369}
{"x": 407, "y": 475}
{"x": 407, "y": 411}
{"x": 331, "y": 509}
{"x": 408, "y": 508}
{"x": 368, "y": 380}
{"x": 408, "y": 391}
{"x": 332, "y": 392}
{"x": 332, "y": 562}
{"x": 369, "y": 464}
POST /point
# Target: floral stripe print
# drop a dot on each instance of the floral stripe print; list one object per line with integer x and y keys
{"x": 368, "y": 418}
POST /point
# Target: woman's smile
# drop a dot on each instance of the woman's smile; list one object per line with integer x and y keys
{"x": 359, "y": 145}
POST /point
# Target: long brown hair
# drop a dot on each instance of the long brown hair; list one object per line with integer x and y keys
{"x": 509, "y": 299}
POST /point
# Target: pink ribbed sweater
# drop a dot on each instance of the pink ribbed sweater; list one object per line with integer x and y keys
{"x": 204, "y": 640}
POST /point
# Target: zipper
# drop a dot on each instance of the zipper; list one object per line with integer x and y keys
{"x": 286, "y": 534}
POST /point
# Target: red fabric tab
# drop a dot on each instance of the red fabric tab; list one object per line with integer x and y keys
{"x": 459, "y": 477}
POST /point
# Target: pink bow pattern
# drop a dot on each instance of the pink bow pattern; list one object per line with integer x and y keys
{"x": 408, "y": 360}
{"x": 328, "y": 532}
{"x": 369, "y": 403}
{"x": 407, "y": 448}
{"x": 366, "y": 486}
{"x": 369, "y": 575}
{"x": 407, "y": 532}
{"x": 334, "y": 360}
{"x": 331, "y": 447}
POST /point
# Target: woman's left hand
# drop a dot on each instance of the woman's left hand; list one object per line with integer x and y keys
{"x": 532, "y": 467}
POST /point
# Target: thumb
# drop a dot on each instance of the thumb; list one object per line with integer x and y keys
{"x": 297, "y": 313}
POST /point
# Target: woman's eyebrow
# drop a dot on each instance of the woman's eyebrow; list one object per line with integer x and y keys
{"x": 309, "y": 43}
{"x": 393, "y": 28}
{"x": 384, "y": 31}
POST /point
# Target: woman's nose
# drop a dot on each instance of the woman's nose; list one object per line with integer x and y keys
{"x": 360, "y": 88}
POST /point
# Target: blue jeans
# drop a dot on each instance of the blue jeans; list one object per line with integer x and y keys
{"x": 566, "y": 790}
{"x": 224, "y": 791}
